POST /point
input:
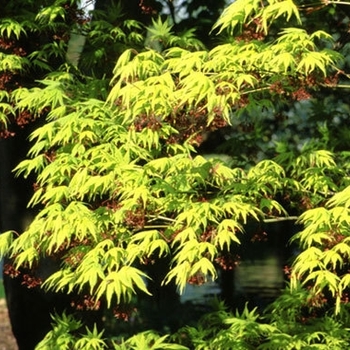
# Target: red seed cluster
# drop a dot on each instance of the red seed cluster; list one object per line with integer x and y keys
{"x": 260, "y": 236}
{"x": 208, "y": 234}
{"x": 334, "y": 238}
{"x": 11, "y": 271}
{"x": 317, "y": 300}
{"x": 198, "y": 279}
{"x": 31, "y": 281}
{"x": 147, "y": 122}
{"x": 228, "y": 261}
{"x": 124, "y": 312}
{"x": 135, "y": 218}
{"x": 28, "y": 280}
{"x": 87, "y": 303}
{"x": 24, "y": 118}
{"x": 287, "y": 271}
{"x": 76, "y": 15}
{"x": 146, "y": 8}
{"x": 301, "y": 94}
{"x": 252, "y": 31}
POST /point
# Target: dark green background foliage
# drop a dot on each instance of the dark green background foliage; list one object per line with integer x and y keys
{"x": 156, "y": 145}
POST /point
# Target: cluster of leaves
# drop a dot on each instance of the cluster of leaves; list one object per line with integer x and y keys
{"x": 290, "y": 324}
{"x": 119, "y": 183}
{"x": 323, "y": 265}
{"x": 67, "y": 334}
{"x": 37, "y": 40}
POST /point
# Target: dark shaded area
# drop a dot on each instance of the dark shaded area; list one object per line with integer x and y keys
{"x": 29, "y": 308}
{"x": 263, "y": 261}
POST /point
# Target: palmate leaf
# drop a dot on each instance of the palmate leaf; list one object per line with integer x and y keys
{"x": 272, "y": 206}
{"x": 340, "y": 216}
{"x": 191, "y": 218}
{"x": 197, "y": 87}
{"x": 12, "y": 63}
{"x": 54, "y": 195}
{"x": 312, "y": 61}
{"x": 333, "y": 258}
{"x": 180, "y": 274}
{"x": 27, "y": 166}
{"x": 160, "y": 31}
{"x": 341, "y": 199}
{"x": 205, "y": 267}
{"x": 241, "y": 12}
{"x": 159, "y": 166}
{"x": 294, "y": 40}
{"x": 245, "y": 80}
{"x": 189, "y": 251}
{"x": 27, "y": 257}
{"x": 54, "y": 95}
{"x": 278, "y": 8}
{"x": 237, "y": 14}
{"x": 6, "y": 110}
{"x": 89, "y": 272}
{"x": 50, "y": 14}
{"x": 306, "y": 262}
{"x": 61, "y": 280}
{"x": 6, "y": 239}
{"x": 343, "y": 249}
{"x": 313, "y": 235}
{"x": 345, "y": 281}
{"x": 193, "y": 250}
{"x": 185, "y": 235}
{"x": 9, "y": 27}
{"x": 120, "y": 285}
{"x": 27, "y": 240}
{"x": 319, "y": 216}
{"x": 148, "y": 340}
{"x": 192, "y": 257}
{"x": 236, "y": 208}
{"x": 146, "y": 244}
{"x": 91, "y": 340}
{"x": 324, "y": 278}
{"x": 226, "y": 233}
{"x": 284, "y": 62}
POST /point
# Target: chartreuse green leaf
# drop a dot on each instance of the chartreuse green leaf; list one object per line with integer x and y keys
{"x": 50, "y": 14}
{"x": 9, "y": 27}
{"x": 278, "y": 8}
{"x": 91, "y": 340}
{"x": 192, "y": 258}
{"x": 61, "y": 336}
{"x": 312, "y": 61}
{"x": 226, "y": 233}
{"x": 326, "y": 246}
{"x": 24, "y": 248}
{"x": 148, "y": 340}
{"x": 180, "y": 274}
{"x": 6, "y": 110}
{"x": 204, "y": 266}
{"x": 6, "y": 239}
{"x": 341, "y": 199}
{"x": 119, "y": 285}
{"x": 146, "y": 244}
{"x": 236, "y": 14}
{"x": 324, "y": 278}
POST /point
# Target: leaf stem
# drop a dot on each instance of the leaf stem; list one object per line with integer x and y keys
{"x": 286, "y": 218}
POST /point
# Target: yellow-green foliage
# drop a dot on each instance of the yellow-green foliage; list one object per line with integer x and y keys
{"x": 119, "y": 182}
{"x": 119, "y": 174}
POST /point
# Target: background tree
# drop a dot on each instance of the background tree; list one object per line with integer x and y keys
{"x": 120, "y": 186}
